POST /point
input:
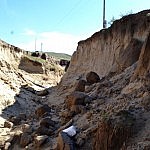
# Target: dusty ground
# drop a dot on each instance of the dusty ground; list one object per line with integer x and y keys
{"x": 107, "y": 97}
{"x": 17, "y": 92}
{"x": 112, "y": 113}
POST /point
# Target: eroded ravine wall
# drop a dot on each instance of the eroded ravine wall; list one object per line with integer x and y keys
{"x": 10, "y": 54}
{"x": 110, "y": 50}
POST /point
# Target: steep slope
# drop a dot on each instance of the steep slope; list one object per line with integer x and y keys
{"x": 143, "y": 68}
{"x": 118, "y": 115}
{"x": 19, "y": 89}
{"x": 109, "y": 107}
{"x": 110, "y": 50}
{"x": 18, "y": 69}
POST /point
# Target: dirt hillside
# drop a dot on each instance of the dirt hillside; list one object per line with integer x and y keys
{"x": 105, "y": 93}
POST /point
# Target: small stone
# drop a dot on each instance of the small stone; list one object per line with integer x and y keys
{"x": 76, "y": 109}
{"x": 26, "y": 128}
{"x": 42, "y": 110}
{"x": 80, "y": 86}
{"x": 22, "y": 116}
{"x": 44, "y": 131}
{"x": 44, "y": 56}
{"x": 148, "y": 14}
{"x": 75, "y": 98}
{"x": 15, "y": 120}
{"x": 47, "y": 122}
{"x": 16, "y": 137}
{"x": 39, "y": 140}
{"x": 42, "y": 93}
{"x": 7, "y": 146}
{"x": 8, "y": 124}
{"x": 25, "y": 139}
{"x": 80, "y": 142}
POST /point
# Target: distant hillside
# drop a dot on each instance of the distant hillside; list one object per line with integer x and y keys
{"x": 59, "y": 55}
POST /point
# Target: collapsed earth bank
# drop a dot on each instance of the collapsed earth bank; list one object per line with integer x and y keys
{"x": 105, "y": 94}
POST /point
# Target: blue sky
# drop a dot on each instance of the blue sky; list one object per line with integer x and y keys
{"x": 58, "y": 24}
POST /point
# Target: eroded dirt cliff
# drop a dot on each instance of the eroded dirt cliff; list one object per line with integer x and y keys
{"x": 105, "y": 94}
{"x": 110, "y": 50}
{"x": 20, "y": 90}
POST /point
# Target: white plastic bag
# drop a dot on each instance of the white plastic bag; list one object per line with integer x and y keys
{"x": 71, "y": 131}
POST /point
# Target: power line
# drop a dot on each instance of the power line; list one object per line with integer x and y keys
{"x": 69, "y": 12}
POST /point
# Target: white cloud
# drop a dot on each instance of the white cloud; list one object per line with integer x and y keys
{"x": 29, "y": 32}
{"x": 52, "y": 41}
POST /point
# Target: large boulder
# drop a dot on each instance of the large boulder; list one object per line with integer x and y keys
{"x": 92, "y": 77}
{"x": 42, "y": 110}
{"x": 75, "y": 98}
{"x": 80, "y": 86}
{"x": 31, "y": 66}
{"x": 47, "y": 122}
{"x": 42, "y": 130}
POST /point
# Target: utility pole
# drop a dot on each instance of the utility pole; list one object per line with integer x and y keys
{"x": 41, "y": 46}
{"x": 35, "y": 44}
{"x": 104, "y": 21}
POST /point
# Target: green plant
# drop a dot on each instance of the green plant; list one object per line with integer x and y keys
{"x": 59, "y": 55}
{"x": 111, "y": 21}
{"x": 38, "y": 59}
{"x": 121, "y": 15}
{"x": 126, "y": 14}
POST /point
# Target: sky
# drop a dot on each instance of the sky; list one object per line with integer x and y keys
{"x": 58, "y": 25}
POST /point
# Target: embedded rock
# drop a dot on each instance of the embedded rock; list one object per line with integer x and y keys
{"x": 42, "y": 93}
{"x": 7, "y": 146}
{"x": 25, "y": 139}
{"x": 31, "y": 66}
{"x": 42, "y": 130}
{"x": 15, "y": 120}
{"x": 47, "y": 122}
{"x": 39, "y": 140}
{"x": 8, "y": 124}
{"x": 80, "y": 86}
{"x": 42, "y": 110}
{"x": 75, "y": 98}
{"x": 92, "y": 77}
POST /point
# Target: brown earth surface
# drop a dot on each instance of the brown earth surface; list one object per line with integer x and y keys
{"x": 110, "y": 108}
